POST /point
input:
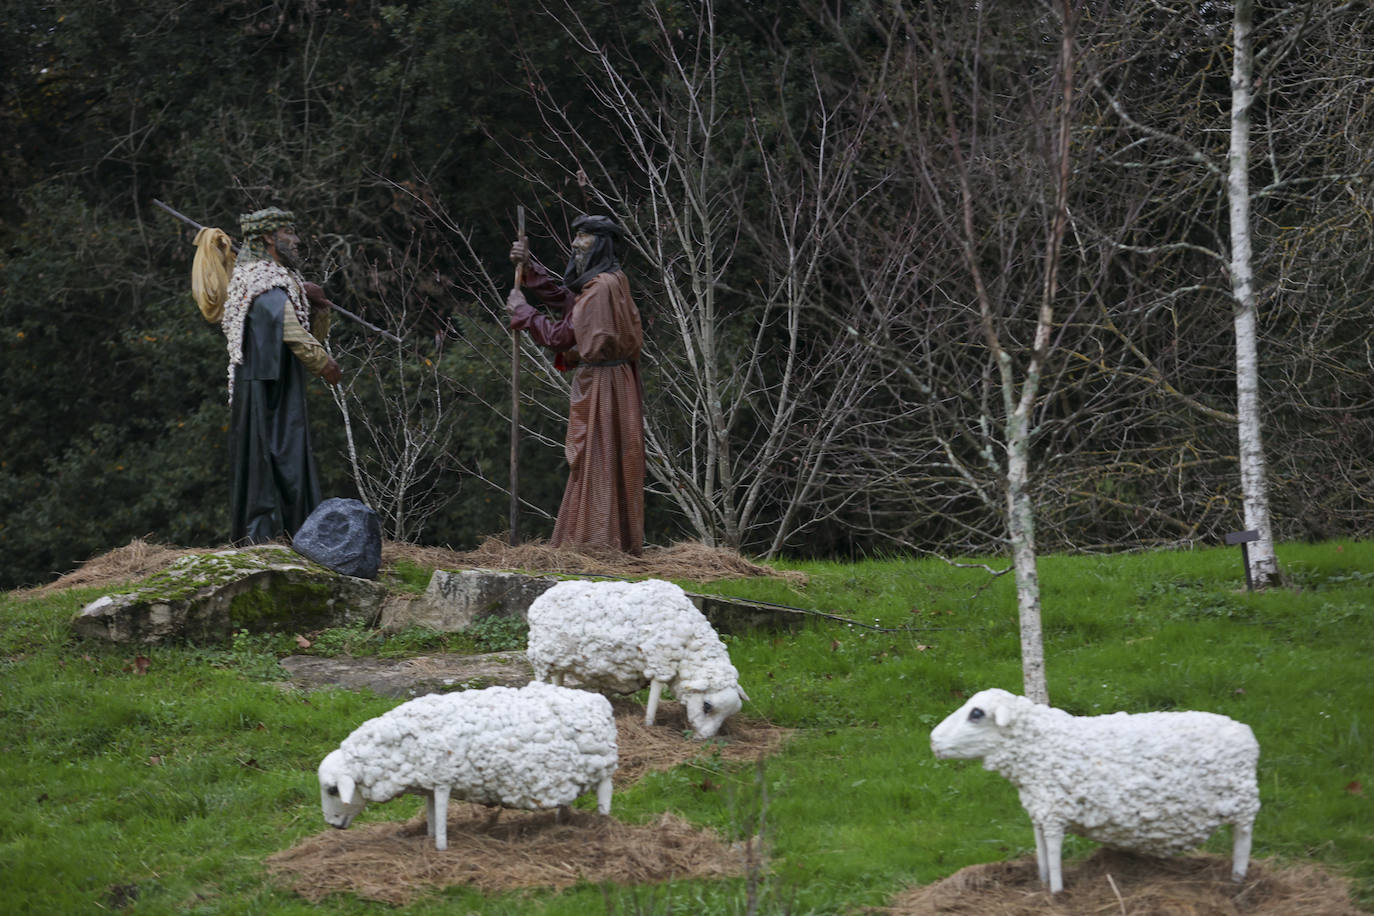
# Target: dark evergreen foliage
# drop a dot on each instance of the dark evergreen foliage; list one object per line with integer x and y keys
{"x": 397, "y": 130}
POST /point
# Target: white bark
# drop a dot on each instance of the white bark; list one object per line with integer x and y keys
{"x": 1021, "y": 528}
{"x": 1254, "y": 485}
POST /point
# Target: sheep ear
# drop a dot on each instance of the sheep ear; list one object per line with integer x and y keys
{"x": 742, "y": 695}
{"x": 1001, "y": 715}
{"x": 346, "y": 789}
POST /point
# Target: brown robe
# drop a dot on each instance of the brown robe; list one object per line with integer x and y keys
{"x": 599, "y": 338}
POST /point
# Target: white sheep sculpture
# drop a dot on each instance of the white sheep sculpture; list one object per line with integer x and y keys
{"x": 1155, "y": 783}
{"x": 532, "y": 747}
{"x": 623, "y": 636}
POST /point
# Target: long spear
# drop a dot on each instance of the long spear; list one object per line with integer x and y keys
{"x": 515, "y": 399}
{"x": 338, "y": 308}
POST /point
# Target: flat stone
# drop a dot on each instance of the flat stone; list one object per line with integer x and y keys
{"x": 455, "y": 599}
{"x": 204, "y": 598}
{"x": 343, "y": 535}
{"x": 739, "y": 616}
{"x": 410, "y": 677}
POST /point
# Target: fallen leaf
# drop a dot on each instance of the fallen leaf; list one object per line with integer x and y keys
{"x": 155, "y": 761}
{"x": 1355, "y": 788}
{"x": 141, "y": 664}
{"x": 303, "y": 642}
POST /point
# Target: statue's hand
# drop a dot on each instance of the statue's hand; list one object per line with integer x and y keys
{"x": 315, "y": 295}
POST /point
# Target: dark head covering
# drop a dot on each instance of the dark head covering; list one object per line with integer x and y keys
{"x": 602, "y": 258}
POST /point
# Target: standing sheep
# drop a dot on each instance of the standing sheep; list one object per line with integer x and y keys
{"x": 1155, "y": 783}
{"x": 622, "y": 636}
{"x": 537, "y": 746}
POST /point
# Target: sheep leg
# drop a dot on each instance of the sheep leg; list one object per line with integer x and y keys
{"x": 603, "y": 796}
{"x": 1041, "y": 861}
{"x": 1241, "y": 837}
{"x": 438, "y": 817}
{"x": 1049, "y": 851}
{"x": 429, "y": 814}
{"x": 655, "y": 691}
{"x": 556, "y": 678}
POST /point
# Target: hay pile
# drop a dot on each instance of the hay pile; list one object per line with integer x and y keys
{"x": 136, "y": 560}
{"x": 1113, "y": 883}
{"x": 396, "y": 863}
{"x": 683, "y": 560}
{"x": 663, "y": 746}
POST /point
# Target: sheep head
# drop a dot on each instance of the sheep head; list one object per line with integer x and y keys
{"x": 707, "y": 712}
{"x": 975, "y": 729}
{"x": 340, "y": 799}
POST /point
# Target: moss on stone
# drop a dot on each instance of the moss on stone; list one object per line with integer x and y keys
{"x": 276, "y": 603}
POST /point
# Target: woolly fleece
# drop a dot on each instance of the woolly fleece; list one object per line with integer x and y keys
{"x": 532, "y": 747}
{"x": 622, "y": 636}
{"x": 1154, "y": 783}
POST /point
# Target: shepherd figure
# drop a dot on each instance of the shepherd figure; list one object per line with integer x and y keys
{"x": 275, "y": 325}
{"x": 596, "y": 335}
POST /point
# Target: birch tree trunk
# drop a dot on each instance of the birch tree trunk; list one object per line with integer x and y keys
{"x": 1254, "y": 485}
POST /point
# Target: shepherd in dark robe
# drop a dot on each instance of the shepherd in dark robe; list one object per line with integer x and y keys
{"x": 596, "y": 335}
{"x": 274, "y": 325}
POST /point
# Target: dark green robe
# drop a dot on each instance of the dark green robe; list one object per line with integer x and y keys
{"x": 275, "y": 485}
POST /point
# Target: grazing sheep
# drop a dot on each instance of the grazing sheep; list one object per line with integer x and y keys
{"x": 622, "y": 636}
{"x": 1155, "y": 782}
{"x": 537, "y": 746}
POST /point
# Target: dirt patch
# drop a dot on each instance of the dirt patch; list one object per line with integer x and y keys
{"x": 397, "y": 863}
{"x": 1113, "y": 883}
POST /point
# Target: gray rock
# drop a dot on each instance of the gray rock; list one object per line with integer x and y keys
{"x": 455, "y": 599}
{"x": 204, "y": 598}
{"x": 740, "y": 616}
{"x": 410, "y": 677}
{"x": 343, "y": 535}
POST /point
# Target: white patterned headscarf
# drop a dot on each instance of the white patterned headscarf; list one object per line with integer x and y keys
{"x": 255, "y": 273}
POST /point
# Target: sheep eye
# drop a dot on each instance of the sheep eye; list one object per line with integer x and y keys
{"x": 707, "y": 707}
{"x": 975, "y": 714}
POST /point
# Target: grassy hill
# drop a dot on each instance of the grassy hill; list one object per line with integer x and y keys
{"x": 161, "y": 785}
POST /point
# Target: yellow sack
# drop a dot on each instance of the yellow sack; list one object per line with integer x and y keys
{"x": 210, "y": 271}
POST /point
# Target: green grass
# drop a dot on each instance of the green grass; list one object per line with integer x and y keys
{"x": 171, "y": 787}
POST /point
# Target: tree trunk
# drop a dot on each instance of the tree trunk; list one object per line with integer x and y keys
{"x": 1021, "y": 528}
{"x": 1264, "y": 568}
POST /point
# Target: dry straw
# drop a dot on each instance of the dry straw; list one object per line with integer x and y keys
{"x": 396, "y": 863}
{"x": 684, "y": 560}
{"x": 139, "y": 559}
{"x": 1112, "y": 883}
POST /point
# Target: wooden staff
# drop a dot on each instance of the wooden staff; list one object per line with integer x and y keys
{"x": 515, "y": 400}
